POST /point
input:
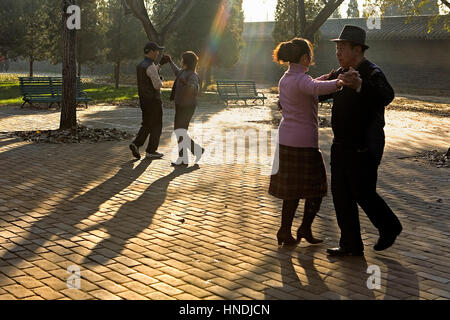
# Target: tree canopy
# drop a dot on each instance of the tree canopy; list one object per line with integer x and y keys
{"x": 302, "y": 18}
{"x": 414, "y": 8}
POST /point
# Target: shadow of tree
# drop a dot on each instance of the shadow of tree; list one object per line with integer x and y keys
{"x": 400, "y": 276}
{"x": 131, "y": 219}
{"x": 76, "y": 210}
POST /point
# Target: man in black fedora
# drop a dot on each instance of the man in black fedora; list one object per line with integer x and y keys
{"x": 358, "y": 144}
{"x": 149, "y": 89}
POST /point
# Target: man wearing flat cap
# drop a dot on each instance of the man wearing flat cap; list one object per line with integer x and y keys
{"x": 358, "y": 144}
{"x": 149, "y": 88}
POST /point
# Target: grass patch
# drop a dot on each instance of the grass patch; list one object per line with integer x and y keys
{"x": 99, "y": 92}
{"x": 10, "y": 92}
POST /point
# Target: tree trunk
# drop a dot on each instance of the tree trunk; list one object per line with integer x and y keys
{"x": 445, "y": 2}
{"x": 79, "y": 70}
{"x": 31, "y": 67}
{"x": 206, "y": 77}
{"x": 117, "y": 65}
{"x": 117, "y": 74}
{"x": 302, "y": 16}
{"x": 295, "y": 19}
{"x": 68, "y": 101}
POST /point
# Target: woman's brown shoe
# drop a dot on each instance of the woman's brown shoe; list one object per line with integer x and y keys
{"x": 285, "y": 238}
{"x": 307, "y": 234}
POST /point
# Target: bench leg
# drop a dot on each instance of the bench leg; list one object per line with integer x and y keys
{"x": 23, "y": 104}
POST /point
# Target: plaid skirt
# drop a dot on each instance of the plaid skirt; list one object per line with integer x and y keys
{"x": 301, "y": 174}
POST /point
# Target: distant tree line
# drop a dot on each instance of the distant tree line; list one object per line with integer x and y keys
{"x": 115, "y": 31}
{"x": 303, "y": 18}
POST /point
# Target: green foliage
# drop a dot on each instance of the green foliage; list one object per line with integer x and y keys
{"x": 11, "y": 29}
{"x": 231, "y": 42}
{"x": 23, "y": 25}
{"x": 336, "y": 14}
{"x": 91, "y": 38}
{"x": 125, "y": 36}
{"x": 32, "y": 29}
{"x": 287, "y": 21}
{"x": 198, "y": 22}
{"x": 160, "y": 12}
{"x": 413, "y": 8}
{"x": 203, "y": 38}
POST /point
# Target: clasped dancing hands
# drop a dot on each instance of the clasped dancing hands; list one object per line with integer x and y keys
{"x": 351, "y": 79}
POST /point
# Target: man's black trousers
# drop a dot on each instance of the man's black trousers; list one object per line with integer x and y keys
{"x": 151, "y": 124}
{"x": 353, "y": 181}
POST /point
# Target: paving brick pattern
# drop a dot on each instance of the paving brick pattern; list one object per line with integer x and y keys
{"x": 142, "y": 230}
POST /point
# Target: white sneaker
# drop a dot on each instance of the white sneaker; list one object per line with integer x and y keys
{"x": 154, "y": 155}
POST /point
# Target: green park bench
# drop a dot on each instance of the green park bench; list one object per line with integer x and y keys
{"x": 47, "y": 90}
{"x": 236, "y": 90}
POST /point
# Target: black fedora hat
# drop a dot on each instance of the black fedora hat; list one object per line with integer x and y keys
{"x": 353, "y": 34}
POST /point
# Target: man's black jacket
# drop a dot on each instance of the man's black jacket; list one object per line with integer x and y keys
{"x": 358, "y": 118}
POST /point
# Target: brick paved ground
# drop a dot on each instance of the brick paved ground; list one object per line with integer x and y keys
{"x": 142, "y": 230}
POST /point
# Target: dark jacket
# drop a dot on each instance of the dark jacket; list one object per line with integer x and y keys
{"x": 185, "y": 88}
{"x": 358, "y": 118}
{"x": 145, "y": 86}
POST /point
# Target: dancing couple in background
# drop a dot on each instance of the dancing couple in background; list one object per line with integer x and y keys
{"x": 184, "y": 92}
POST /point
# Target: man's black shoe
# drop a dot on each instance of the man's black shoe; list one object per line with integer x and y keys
{"x": 386, "y": 240}
{"x": 135, "y": 151}
{"x": 178, "y": 165}
{"x": 341, "y": 252}
{"x": 154, "y": 155}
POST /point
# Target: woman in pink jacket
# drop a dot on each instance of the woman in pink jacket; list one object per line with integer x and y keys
{"x": 301, "y": 171}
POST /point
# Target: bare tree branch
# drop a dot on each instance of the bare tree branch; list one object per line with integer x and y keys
{"x": 171, "y": 11}
{"x": 445, "y": 2}
{"x": 126, "y": 9}
{"x": 323, "y": 15}
{"x": 181, "y": 9}
{"x": 138, "y": 9}
{"x": 302, "y": 16}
